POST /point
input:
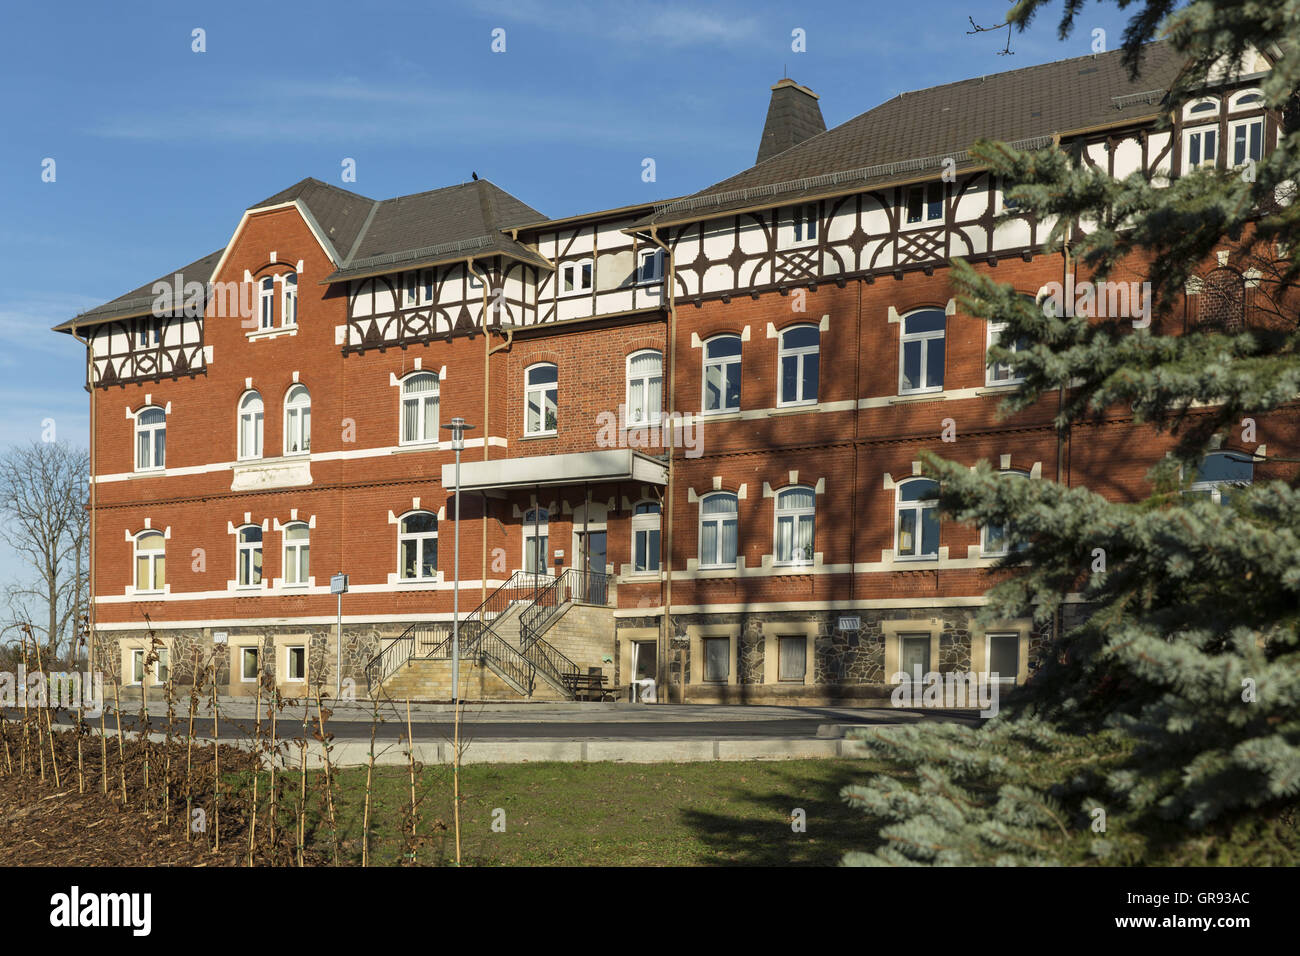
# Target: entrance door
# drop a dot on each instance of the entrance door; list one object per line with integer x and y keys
{"x": 591, "y": 559}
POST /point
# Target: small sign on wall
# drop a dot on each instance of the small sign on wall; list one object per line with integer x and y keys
{"x": 850, "y": 622}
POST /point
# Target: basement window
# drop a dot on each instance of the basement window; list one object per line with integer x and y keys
{"x": 295, "y": 663}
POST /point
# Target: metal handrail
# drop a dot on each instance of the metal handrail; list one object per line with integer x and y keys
{"x": 386, "y": 662}
{"x": 573, "y": 585}
{"x": 506, "y": 659}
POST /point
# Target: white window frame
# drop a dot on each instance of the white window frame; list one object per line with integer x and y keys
{"x": 541, "y": 389}
{"x": 420, "y": 539}
{"x": 137, "y": 653}
{"x": 151, "y": 430}
{"x": 646, "y": 524}
{"x": 724, "y": 362}
{"x": 418, "y": 400}
{"x": 297, "y": 419}
{"x": 244, "y": 649}
{"x": 266, "y": 303}
{"x": 538, "y": 527}
{"x": 805, "y": 223}
{"x": 153, "y": 557}
{"x": 147, "y": 326}
{"x": 256, "y": 420}
{"x": 795, "y": 515}
{"x": 985, "y": 551}
{"x": 988, "y": 656}
{"x": 990, "y": 379}
{"x": 410, "y": 288}
{"x": 654, "y": 259}
{"x": 719, "y": 519}
{"x": 919, "y": 507}
{"x": 643, "y": 415}
{"x": 927, "y": 190}
{"x": 905, "y": 337}
{"x": 1201, "y": 131}
{"x": 288, "y": 658}
{"x": 799, "y": 354}
{"x": 252, "y": 548}
{"x": 1246, "y": 124}
{"x": 289, "y": 300}
{"x": 295, "y": 548}
{"x": 573, "y": 272}
{"x": 1214, "y": 488}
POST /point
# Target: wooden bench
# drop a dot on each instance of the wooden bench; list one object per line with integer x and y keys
{"x": 591, "y": 686}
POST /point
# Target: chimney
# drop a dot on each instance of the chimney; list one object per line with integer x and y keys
{"x": 792, "y": 117}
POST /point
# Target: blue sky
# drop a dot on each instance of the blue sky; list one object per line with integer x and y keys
{"x": 158, "y": 149}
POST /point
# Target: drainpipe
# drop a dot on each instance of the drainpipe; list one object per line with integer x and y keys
{"x": 90, "y": 558}
{"x": 663, "y": 669}
{"x": 487, "y": 354}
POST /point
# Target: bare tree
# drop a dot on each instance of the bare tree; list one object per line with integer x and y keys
{"x": 43, "y": 491}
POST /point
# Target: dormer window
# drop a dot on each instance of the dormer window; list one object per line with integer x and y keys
{"x": 1246, "y": 141}
{"x": 925, "y": 203}
{"x": 150, "y": 333}
{"x": 650, "y": 266}
{"x": 576, "y": 277}
{"x": 412, "y": 288}
{"x": 1201, "y": 146}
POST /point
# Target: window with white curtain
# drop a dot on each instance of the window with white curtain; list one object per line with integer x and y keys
{"x": 536, "y": 530}
{"x": 718, "y": 530}
{"x": 250, "y": 425}
{"x": 541, "y": 398}
{"x": 248, "y": 556}
{"x": 916, "y": 532}
{"x": 297, "y": 421}
{"x": 914, "y": 656}
{"x": 420, "y": 408}
{"x": 289, "y": 300}
{"x": 150, "y": 561}
{"x": 645, "y": 537}
{"x": 722, "y": 374}
{"x": 795, "y": 518}
{"x": 417, "y": 546}
{"x": 150, "y": 439}
{"x": 717, "y": 658}
{"x": 798, "y": 359}
{"x": 645, "y": 379}
{"x": 792, "y": 659}
{"x": 297, "y": 553}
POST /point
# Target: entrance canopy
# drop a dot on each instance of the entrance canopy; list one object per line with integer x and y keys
{"x": 615, "y": 464}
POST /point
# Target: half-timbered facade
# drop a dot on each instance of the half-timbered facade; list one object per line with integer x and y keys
{"x": 697, "y": 422}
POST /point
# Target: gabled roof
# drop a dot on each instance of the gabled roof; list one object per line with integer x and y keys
{"x": 140, "y": 302}
{"x": 914, "y": 131}
{"x": 340, "y": 214}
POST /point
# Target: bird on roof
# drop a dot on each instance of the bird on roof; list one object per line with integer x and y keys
{"x": 474, "y": 175}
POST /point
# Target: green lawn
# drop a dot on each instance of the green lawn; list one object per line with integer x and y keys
{"x": 576, "y": 814}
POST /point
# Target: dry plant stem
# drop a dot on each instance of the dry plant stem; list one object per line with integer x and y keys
{"x": 329, "y": 775}
{"x": 81, "y": 766}
{"x": 103, "y": 750}
{"x": 270, "y": 823}
{"x": 257, "y": 762}
{"x": 302, "y": 793}
{"x": 49, "y": 727}
{"x": 410, "y": 743}
{"x": 40, "y": 739}
{"x": 189, "y": 753}
{"x": 370, "y": 773}
{"x": 121, "y": 751}
{"x": 143, "y": 734}
{"x": 216, "y": 765}
{"x": 167, "y": 760}
{"x": 4, "y": 729}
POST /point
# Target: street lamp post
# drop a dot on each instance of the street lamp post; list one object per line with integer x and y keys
{"x": 458, "y": 429}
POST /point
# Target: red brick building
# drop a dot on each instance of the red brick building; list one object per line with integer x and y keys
{"x": 696, "y": 423}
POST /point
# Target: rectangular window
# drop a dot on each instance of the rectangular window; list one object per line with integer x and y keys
{"x": 162, "y": 667}
{"x": 1247, "y": 137}
{"x": 925, "y": 203}
{"x": 922, "y": 359}
{"x": 137, "y": 666}
{"x": 804, "y": 221}
{"x": 650, "y": 268}
{"x": 1201, "y": 147}
{"x": 575, "y": 277}
{"x": 717, "y": 658}
{"x": 646, "y": 550}
{"x": 793, "y": 659}
{"x": 914, "y": 656}
{"x": 295, "y": 664}
{"x": 1004, "y": 656}
{"x": 248, "y": 663}
{"x": 1000, "y": 373}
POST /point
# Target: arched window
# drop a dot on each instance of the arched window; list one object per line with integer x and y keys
{"x": 150, "y": 439}
{"x": 289, "y": 305}
{"x": 536, "y": 532}
{"x": 541, "y": 399}
{"x": 645, "y": 536}
{"x": 718, "y": 530}
{"x": 921, "y": 352}
{"x": 417, "y": 546}
{"x": 1200, "y": 142}
{"x": 797, "y": 363}
{"x": 916, "y": 526}
{"x": 1221, "y": 474}
{"x": 266, "y": 298}
{"x": 297, "y": 553}
{"x": 995, "y": 538}
{"x": 1221, "y": 304}
{"x": 645, "y": 379}
{"x": 420, "y": 408}
{"x": 248, "y": 556}
{"x": 150, "y": 561}
{"x": 250, "y": 425}
{"x": 795, "y": 520}
{"x": 297, "y": 421}
{"x": 722, "y": 374}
